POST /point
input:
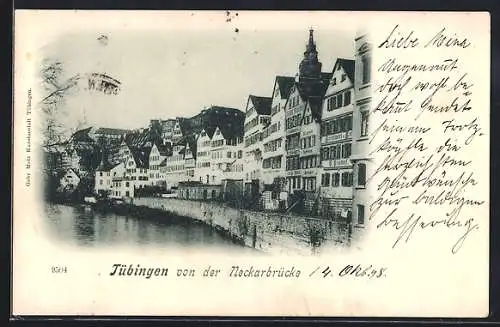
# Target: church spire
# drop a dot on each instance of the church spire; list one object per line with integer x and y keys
{"x": 310, "y": 67}
{"x": 311, "y": 46}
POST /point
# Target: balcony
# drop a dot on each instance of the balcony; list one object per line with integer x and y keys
{"x": 336, "y": 137}
{"x": 296, "y": 172}
{"x": 309, "y": 151}
{"x": 293, "y": 130}
{"x": 309, "y": 172}
{"x": 337, "y": 163}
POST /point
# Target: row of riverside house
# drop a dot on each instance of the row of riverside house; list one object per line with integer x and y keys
{"x": 301, "y": 149}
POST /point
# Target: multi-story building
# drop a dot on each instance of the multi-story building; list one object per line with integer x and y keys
{"x": 189, "y": 158}
{"x": 235, "y": 169}
{"x": 104, "y": 177}
{"x": 257, "y": 118}
{"x": 123, "y": 187}
{"x": 336, "y": 142}
{"x": 175, "y": 166}
{"x": 203, "y": 171}
{"x": 360, "y": 146}
{"x": 136, "y": 167}
{"x": 226, "y": 150}
{"x": 293, "y": 112}
{"x": 274, "y": 136}
{"x": 158, "y": 154}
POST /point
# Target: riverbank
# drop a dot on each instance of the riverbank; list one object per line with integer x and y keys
{"x": 273, "y": 233}
{"x": 153, "y": 214}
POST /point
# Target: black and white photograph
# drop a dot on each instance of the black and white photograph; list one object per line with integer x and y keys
{"x": 247, "y": 139}
{"x": 288, "y": 163}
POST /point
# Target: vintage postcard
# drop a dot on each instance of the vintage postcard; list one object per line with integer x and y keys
{"x": 237, "y": 163}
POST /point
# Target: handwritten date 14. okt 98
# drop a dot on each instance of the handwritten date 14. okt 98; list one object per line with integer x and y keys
{"x": 355, "y": 271}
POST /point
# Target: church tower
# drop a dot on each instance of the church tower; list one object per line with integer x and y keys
{"x": 310, "y": 67}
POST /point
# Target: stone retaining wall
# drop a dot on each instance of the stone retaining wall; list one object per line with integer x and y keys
{"x": 269, "y": 232}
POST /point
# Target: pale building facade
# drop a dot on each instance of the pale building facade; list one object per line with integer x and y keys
{"x": 274, "y": 136}
{"x": 336, "y": 142}
{"x": 258, "y": 117}
{"x": 360, "y": 130}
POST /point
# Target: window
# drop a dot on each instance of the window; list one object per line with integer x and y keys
{"x": 325, "y": 179}
{"x": 229, "y": 154}
{"x": 100, "y": 173}
{"x": 347, "y": 179}
{"x": 364, "y": 123}
{"x": 100, "y": 182}
{"x": 361, "y": 214}
{"x": 347, "y": 98}
{"x": 361, "y": 174}
{"x": 344, "y": 76}
{"x": 310, "y": 184}
{"x": 339, "y": 100}
{"x": 336, "y": 179}
{"x": 366, "y": 63}
{"x": 346, "y": 150}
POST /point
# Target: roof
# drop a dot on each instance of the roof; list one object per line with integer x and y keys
{"x": 262, "y": 105}
{"x": 105, "y": 165}
{"x": 111, "y": 131}
{"x": 285, "y": 84}
{"x": 165, "y": 150}
{"x": 141, "y": 156}
{"x": 348, "y": 66}
{"x": 82, "y": 136}
{"x": 138, "y": 139}
{"x": 313, "y": 94}
{"x": 326, "y": 76}
{"x": 164, "y": 162}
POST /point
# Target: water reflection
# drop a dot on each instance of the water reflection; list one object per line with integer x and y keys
{"x": 83, "y": 226}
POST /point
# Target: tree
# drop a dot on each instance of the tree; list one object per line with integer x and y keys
{"x": 57, "y": 88}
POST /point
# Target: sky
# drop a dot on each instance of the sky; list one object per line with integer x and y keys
{"x": 169, "y": 72}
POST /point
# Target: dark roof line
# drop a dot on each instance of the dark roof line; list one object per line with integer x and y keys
{"x": 262, "y": 105}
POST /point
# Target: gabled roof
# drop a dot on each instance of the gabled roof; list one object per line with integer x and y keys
{"x": 105, "y": 165}
{"x": 234, "y": 129}
{"x": 262, "y": 105}
{"x": 347, "y": 65}
{"x": 285, "y": 84}
{"x": 61, "y": 173}
{"x": 313, "y": 94}
{"x": 141, "y": 156}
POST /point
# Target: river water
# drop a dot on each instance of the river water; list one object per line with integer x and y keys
{"x": 83, "y": 226}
